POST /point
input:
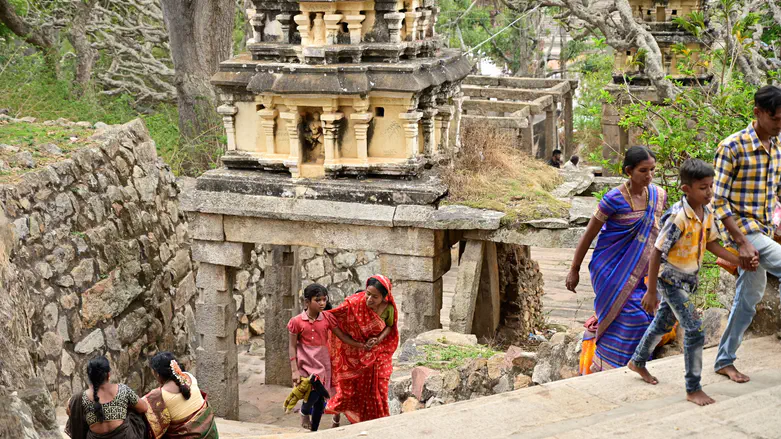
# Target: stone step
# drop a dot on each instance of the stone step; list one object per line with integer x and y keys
{"x": 613, "y": 404}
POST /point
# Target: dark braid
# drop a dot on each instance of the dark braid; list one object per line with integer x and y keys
{"x": 97, "y": 372}
{"x": 161, "y": 363}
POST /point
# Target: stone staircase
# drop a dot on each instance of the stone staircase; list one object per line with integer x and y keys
{"x": 614, "y": 404}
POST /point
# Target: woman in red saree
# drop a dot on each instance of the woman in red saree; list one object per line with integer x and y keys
{"x": 361, "y": 375}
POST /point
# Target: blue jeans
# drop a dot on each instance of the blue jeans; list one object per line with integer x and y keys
{"x": 675, "y": 305}
{"x": 750, "y": 289}
{"x": 314, "y": 406}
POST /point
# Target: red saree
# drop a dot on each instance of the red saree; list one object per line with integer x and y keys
{"x": 359, "y": 376}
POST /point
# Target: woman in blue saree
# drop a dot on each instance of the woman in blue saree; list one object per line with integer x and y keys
{"x": 627, "y": 222}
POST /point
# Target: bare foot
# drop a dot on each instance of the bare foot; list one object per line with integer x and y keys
{"x": 335, "y": 421}
{"x": 733, "y": 374}
{"x": 643, "y": 372}
{"x": 700, "y": 398}
{"x": 305, "y": 422}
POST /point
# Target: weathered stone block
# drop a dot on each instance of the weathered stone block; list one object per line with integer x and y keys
{"x": 401, "y": 267}
{"x": 231, "y": 254}
{"x": 212, "y": 277}
{"x": 185, "y": 291}
{"x": 400, "y": 240}
{"x": 108, "y": 298}
{"x": 217, "y": 374}
{"x": 213, "y": 320}
{"x": 206, "y": 226}
{"x": 93, "y": 341}
{"x": 418, "y": 297}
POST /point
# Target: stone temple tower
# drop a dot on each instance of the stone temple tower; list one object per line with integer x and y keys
{"x": 330, "y": 88}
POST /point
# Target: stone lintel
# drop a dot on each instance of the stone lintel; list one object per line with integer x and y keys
{"x": 231, "y": 254}
{"x": 397, "y": 240}
{"x": 403, "y": 267}
{"x": 514, "y": 122}
{"x": 529, "y": 236}
{"x": 204, "y": 226}
{"x": 449, "y": 217}
{"x": 291, "y": 209}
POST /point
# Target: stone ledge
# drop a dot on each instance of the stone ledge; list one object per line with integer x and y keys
{"x": 547, "y": 238}
{"x": 391, "y": 192}
{"x": 449, "y": 217}
{"x": 291, "y": 209}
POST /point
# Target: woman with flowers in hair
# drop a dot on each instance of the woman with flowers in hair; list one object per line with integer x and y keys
{"x": 177, "y": 408}
{"x": 361, "y": 375}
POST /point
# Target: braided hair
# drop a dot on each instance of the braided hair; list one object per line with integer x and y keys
{"x": 161, "y": 364}
{"x": 97, "y": 373}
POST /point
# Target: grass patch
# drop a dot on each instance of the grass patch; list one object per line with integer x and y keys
{"x": 491, "y": 173}
{"x": 444, "y": 357}
{"x": 31, "y": 137}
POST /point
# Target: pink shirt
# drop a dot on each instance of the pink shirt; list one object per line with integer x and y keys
{"x": 312, "y": 347}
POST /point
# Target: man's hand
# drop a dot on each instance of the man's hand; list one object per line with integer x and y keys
{"x": 747, "y": 254}
{"x": 650, "y": 302}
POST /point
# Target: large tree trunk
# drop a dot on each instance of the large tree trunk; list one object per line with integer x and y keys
{"x": 77, "y": 36}
{"x": 200, "y": 36}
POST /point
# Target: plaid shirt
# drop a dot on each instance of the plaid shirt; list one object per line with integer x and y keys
{"x": 747, "y": 175}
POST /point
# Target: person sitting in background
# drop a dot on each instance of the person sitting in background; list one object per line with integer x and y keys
{"x": 102, "y": 411}
{"x": 178, "y": 408}
{"x": 555, "y": 160}
{"x": 573, "y": 163}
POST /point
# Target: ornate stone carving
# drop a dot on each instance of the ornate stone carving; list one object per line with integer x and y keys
{"x": 354, "y": 26}
{"x": 393, "y": 21}
{"x": 331, "y": 27}
{"x": 302, "y": 20}
{"x": 410, "y": 125}
{"x": 258, "y": 21}
{"x": 330, "y": 147}
{"x": 228, "y": 112}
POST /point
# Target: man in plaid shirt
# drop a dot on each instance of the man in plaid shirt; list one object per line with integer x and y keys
{"x": 748, "y": 169}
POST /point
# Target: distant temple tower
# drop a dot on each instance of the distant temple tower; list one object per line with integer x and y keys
{"x": 628, "y": 71}
{"x": 333, "y": 88}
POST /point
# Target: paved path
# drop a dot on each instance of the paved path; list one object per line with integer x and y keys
{"x": 559, "y": 305}
{"x": 613, "y": 404}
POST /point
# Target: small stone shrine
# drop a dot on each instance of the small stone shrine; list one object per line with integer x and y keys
{"x": 341, "y": 88}
{"x": 628, "y": 73}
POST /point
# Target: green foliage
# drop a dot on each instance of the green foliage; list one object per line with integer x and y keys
{"x": 27, "y": 88}
{"x": 443, "y": 356}
{"x": 595, "y": 64}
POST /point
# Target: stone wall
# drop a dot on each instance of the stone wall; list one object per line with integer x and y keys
{"x": 101, "y": 254}
{"x": 521, "y": 288}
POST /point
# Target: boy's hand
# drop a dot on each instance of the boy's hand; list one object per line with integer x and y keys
{"x": 650, "y": 302}
{"x": 296, "y": 378}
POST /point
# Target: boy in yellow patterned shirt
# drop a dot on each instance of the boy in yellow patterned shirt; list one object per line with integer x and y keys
{"x": 688, "y": 230}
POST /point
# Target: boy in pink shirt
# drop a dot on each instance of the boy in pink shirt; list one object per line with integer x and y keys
{"x": 308, "y": 349}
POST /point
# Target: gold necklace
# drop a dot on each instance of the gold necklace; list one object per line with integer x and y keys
{"x": 631, "y": 198}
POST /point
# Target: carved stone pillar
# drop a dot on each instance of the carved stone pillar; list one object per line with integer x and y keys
{"x": 354, "y": 26}
{"x": 455, "y": 132}
{"x": 329, "y": 136}
{"x": 302, "y": 20}
{"x": 284, "y": 24}
{"x": 318, "y": 30}
{"x": 410, "y": 123}
{"x": 429, "y": 146}
{"x": 424, "y": 27}
{"x": 551, "y": 134}
{"x": 362, "y": 117}
{"x": 445, "y": 115}
{"x": 393, "y": 21}
{"x": 228, "y": 112}
{"x": 257, "y": 22}
{"x": 267, "y": 124}
{"x": 433, "y": 21}
{"x": 331, "y": 27}
{"x": 411, "y": 22}
{"x": 292, "y": 119}
{"x": 569, "y": 127}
